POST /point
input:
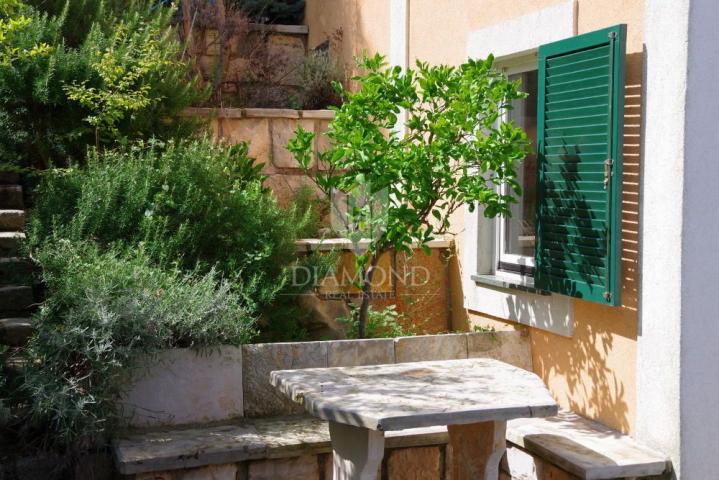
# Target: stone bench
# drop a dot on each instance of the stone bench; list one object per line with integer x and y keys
{"x": 298, "y": 448}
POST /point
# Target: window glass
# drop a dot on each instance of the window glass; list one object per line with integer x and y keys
{"x": 519, "y": 234}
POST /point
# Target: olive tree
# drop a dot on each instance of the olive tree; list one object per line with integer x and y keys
{"x": 423, "y": 141}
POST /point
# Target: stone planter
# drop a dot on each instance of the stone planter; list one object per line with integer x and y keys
{"x": 184, "y": 386}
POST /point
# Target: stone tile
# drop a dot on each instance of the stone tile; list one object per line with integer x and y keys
{"x": 285, "y": 187}
{"x": 10, "y": 242}
{"x": 430, "y": 347}
{"x": 512, "y": 347}
{"x": 15, "y": 331}
{"x": 12, "y": 220}
{"x": 261, "y": 398}
{"x": 11, "y": 196}
{"x": 415, "y": 464}
{"x": 183, "y": 386}
{"x": 282, "y": 130}
{"x": 352, "y": 353}
{"x": 298, "y": 468}
{"x": 211, "y": 472}
{"x": 16, "y": 298}
{"x": 289, "y": 50}
{"x": 256, "y": 131}
{"x": 322, "y": 142}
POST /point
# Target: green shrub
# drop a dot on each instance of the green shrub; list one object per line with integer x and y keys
{"x": 40, "y": 125}
{"x": 189, "y": 203}
{"x": 103, "y": 311}
{"x": 385, "y": 323}
{"x": 319, "y": 71}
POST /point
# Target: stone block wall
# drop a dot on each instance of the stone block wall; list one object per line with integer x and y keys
{"x": 263, "y": 400}
{"x": 412, "y": 463}
{"x": 268, "y": 130}
{"x": 183, "y": 386}
{"x": 284, "y": 46}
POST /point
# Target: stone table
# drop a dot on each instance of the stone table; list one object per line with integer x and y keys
{"x": 473, "y": 397}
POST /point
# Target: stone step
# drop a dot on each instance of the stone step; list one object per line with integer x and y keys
{"x": 9, "y": 242}
{"x": 11, "y": 196}
{"x": 15, "y": 331}
{"x": 15, "y": 271}
{"x": 9, "y": 178}
{"x": 12, "y": 220}
{"x": 15, "y": 299}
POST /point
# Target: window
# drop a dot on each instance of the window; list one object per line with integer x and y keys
{"x": 516, "y": 234}
{"x": 565, "y": 232}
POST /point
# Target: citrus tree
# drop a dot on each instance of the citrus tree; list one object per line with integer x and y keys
{"x": 408, "y": 148}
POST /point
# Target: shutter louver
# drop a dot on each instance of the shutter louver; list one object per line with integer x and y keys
{"x": 579, "y": 141}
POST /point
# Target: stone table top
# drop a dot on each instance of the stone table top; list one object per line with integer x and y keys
{"x": 418, "y": 394}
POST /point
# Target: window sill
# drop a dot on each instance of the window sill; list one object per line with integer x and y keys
{"x": 499, "y": 281}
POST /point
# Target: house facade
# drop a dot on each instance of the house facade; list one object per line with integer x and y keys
{"x": 606, "y": 262}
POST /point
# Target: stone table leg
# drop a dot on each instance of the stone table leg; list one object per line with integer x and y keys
{"x": 356, "y": 452}
{"x": 477, "y": 449}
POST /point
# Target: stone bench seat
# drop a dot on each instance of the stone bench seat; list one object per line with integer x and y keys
{"x": 578, "y": 447}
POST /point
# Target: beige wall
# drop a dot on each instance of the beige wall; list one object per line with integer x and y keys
{"x": 593, "y": 372}
{"x": 365, "y": 25}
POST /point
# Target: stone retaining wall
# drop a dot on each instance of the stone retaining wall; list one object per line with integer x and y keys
{"x": 268, "y": 130}
{"x": 182, "y": 386}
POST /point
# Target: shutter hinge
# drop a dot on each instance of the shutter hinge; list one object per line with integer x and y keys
{"x": 612, "y": 35}
{"x": 607, "y": 296}
{"x": 608, "y": 163}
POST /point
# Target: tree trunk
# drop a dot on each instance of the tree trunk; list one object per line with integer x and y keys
{"x": 366, "y": 293}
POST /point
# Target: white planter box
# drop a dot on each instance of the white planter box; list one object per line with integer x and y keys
{"x": 185, "y": 386}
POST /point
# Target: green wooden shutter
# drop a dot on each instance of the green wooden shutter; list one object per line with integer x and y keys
{"x": 579, "y": 165}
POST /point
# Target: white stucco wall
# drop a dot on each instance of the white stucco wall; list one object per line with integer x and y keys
{"x": 677, "y": 385}
{"x": 700, "y": 263}
{"x": 658, "y": 344}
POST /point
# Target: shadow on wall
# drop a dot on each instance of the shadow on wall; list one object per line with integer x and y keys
{"x": 593, "y": 373}
{"x": 346, "y": 19}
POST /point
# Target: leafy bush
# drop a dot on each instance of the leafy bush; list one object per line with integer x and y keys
{"x": 147, "y": 247}
{"x": 121, "y": 92}
{"x": 105, "y": 309}
{"x": 190, "y": 203}
{"x": 385, "y": 323}
{"x": 405, "y": 183}
{"x": 320, "y": 71}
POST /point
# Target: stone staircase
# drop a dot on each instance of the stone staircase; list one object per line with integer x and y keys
{"x": 16, "y": 285}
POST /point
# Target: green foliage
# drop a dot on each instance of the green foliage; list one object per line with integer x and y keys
{"x": 315, "y": 211}
{"x": 191, "y": 203}
{"x": 13, "y": 24}
{"x": 125, "y": 62}
{"x": 148, "y": 247}
{"x": 385, "y": 323}
{"x": 320, "y": 70}
{"x": 286, "y": 12}
{"x": 482, "y": 329}
{"x": 452, "y": 151}
{"x": 124, "y": 74}
{"x": 104, "y": 311}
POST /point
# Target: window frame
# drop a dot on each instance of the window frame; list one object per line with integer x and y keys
{"x": 507, "y": 264}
